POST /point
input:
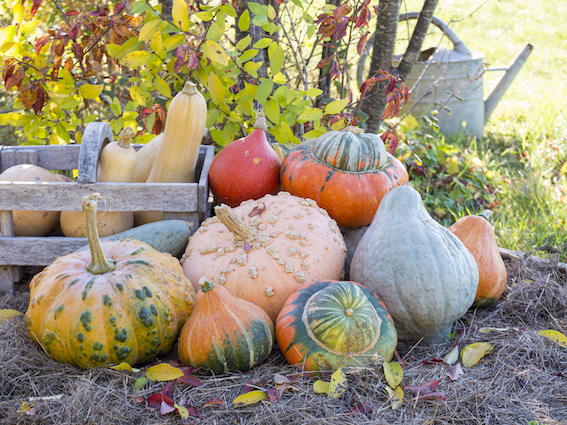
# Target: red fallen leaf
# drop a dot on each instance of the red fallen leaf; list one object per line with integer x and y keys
{"x": 423, "y": 389}
{"x": 523, "y": 328}
{"x": 456, "y": 372}
{"x": 258, "y": 209}
{"x": 182, "y": 400}
{"x": 166, "y": 390}
{"x": 155, "y": 400}
{"x": 433, "y": 396}
{"x": 361, "y": 408}
{"x": 248, "y": 387}
{"x": 213, "y": 402}
{"x": 273, "y": 394}
{"x": 187, "y": 370}
{"x": 432, "y": 361}
{"x": 193, "y": 412}
{"x": 190, "y": 380}
{"x": 174, "y": 363}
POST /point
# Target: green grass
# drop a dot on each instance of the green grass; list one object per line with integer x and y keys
{"x": 524, "y": 149}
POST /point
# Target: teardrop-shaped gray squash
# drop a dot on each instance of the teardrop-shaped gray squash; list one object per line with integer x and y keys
{"x": 423, "y": 273}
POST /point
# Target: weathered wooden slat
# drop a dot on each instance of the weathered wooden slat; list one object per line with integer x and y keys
{"x": 6, "y": 272}
{"x": 55, "y": 196}
{"x": 96, "y": 135}
{"x": 37, "y": 251}
{"x": 51, "y": 157}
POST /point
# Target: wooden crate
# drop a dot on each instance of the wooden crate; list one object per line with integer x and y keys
{"x": 186, "y": 201}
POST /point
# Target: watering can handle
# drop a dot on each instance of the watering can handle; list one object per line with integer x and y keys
{"x": 458, "y": 44}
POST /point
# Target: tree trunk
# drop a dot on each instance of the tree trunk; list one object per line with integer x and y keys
{"x": 166, "y": 6}
{"x": 418, "y": 36}
{"x": 382, "y": 54}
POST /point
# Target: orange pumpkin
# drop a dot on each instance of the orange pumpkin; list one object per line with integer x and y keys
{"x": 224, "y": 333}
{"x": 346, "y": 172}
{"x": 477, "y": 234}
{"x": 263, "y": 250}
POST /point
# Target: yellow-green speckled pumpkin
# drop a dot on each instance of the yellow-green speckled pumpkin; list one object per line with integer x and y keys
{"x": 124, "y": 303}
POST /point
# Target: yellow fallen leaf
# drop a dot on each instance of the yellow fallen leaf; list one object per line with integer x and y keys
{"x": 396, "y": 396}
{"x": 472, "y": 353}
{"x": 321, "y": 387}
{"x": 452, "y": 356}
{"x": 183, "y": 412}
{"x": 393, "y": 373}
{"x": 163, "y": 372}
{"x": 491, "y": 329}
{"x": 249, "y": 398}
{"x": 339, "y": 383}
{"x": 555, "y": 336}
{"x": 125, "y": 366}
{"x": 7, "y": 313}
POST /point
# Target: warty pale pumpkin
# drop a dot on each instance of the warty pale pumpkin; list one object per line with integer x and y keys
{"x": 477, "y": 234}
{"x": 32, "y": 223}
{"x": 424, "y": 274}
{"x": 326, "y": 325}
{"x": 224, "y": 333}
{"x": 346, "y": 172}
{"x": 263, "y": 250}
{"x": 120, "y": 301}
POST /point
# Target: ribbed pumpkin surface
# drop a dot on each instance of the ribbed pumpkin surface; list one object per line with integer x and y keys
{"x": 351, "y": 152}
{"x": 225, "y": 334}
{"x": 330, "y": 324}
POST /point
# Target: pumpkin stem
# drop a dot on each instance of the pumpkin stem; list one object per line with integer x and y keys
{"x": 190, "y": 88}
{"x": 206, "y": 284}
{"x": 124, "y": 138}
{"x": 260, "y": 122}
{"x": 242, "y": 232}
{"x": 99, "y": 263}
{"x": 487, "y": 214}
{"x": 354, "y": 129}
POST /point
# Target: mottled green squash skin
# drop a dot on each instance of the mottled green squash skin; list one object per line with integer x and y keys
{"x": 130, "y": 314}
{"x": 326, "y": 325}
{"x": 224, "y": 333}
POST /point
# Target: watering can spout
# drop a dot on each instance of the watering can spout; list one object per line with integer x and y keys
{"x": 512, "y": 70}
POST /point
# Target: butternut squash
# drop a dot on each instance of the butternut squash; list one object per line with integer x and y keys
{"x": 177, "y": 156}
{"x": 146, "y": 157}
{"x": 116, "y": 164}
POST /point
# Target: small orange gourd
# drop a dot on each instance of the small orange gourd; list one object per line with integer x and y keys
{"x": 224, "y": 333}
{"x": 477, "y": 234}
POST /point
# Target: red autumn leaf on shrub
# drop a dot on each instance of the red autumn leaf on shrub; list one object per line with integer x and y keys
{"x": 340, "y": 29}
{"x": 78, "y": 51}
{"x": 14, "y": 78}
{"x": 119, "y": 8}
{"x": 35, "y": 7}
{"x": 192, "y": 59}
{"x": 342, "y": 11}
{"x": 71, "y": 13}
{"x": 324, "y": 62}
{"x": 40, "y": 101}
{"x": 391, "y": 138}
{"x": 180, "y": 54}
{"x": 42, "y": 41}
{"x": 74, "y": 31}
{"x": 361, "y": 43}
{"x": 363, "y": 16}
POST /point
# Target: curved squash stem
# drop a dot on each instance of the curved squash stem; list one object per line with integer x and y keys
{"x": 354, "y": 129}
{"x": 486, "y": 214}
{"x": 99, "y": 263}
{"x": 242, "y": 232}
{"x": 206, "y": 284}
{"x": 124, "y": 138}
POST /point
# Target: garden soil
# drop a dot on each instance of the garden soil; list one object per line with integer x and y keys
{"x": 523, "y": 379}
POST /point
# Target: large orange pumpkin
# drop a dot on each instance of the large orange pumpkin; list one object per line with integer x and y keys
{"x": 477, "y": 234}
{"x": 346, "y": 172}
{"x": 263, "y": 250}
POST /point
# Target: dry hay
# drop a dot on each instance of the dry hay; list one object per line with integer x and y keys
{"x": 523, "y": 379}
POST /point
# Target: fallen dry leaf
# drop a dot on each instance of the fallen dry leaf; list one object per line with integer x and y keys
{"x": 456, "y": 372}
{"x": 163, "y": 372}
{"x": 249, "y": 398}
{"x": 339, "y": 383}
{"x": 124, "y": 366}
{"x": 321, "y": 387}
{"x": 396, "y": 396}
{"x": 7, "y": 313}
{"x": 472, "y": 353}
{"x": 393, "y": 373}
{"x": 555, "y": 336}
{"x": 426, "y": 388}
{"x": 213, "y": 402}
{"x": 452, "y": 356}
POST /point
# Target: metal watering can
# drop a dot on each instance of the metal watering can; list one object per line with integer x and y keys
{"x": 451, "y": 82}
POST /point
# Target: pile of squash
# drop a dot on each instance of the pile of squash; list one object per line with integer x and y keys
{"x": 270, "y": 265}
